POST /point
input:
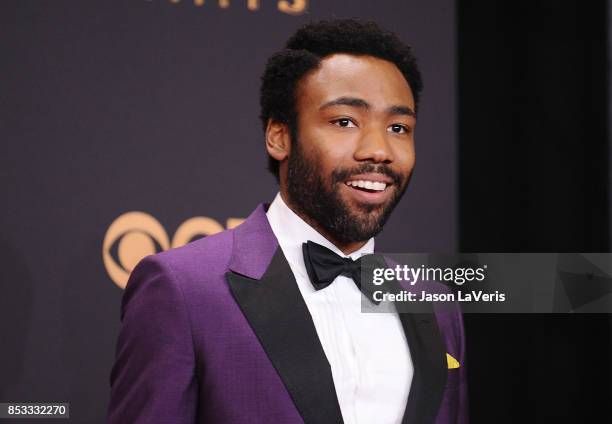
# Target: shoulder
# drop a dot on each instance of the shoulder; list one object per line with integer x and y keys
{"x": 205, "y": 256}
{"x": 195, "y": 268}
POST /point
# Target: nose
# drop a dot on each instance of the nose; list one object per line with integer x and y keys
{"x": 373, "y": 146}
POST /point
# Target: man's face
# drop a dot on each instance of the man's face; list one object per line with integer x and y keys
{"x": 354, "y": 152}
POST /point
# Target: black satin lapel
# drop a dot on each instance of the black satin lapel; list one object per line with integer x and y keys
{"x": 279, "y": 317}
{"x": 430, "y": 366}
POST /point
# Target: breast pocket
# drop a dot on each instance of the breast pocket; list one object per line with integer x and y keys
{"x": 453, "y": 379}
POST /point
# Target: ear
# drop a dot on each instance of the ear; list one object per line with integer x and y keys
{"x": 278, "y": 140}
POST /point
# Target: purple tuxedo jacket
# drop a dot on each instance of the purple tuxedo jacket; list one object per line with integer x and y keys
{"x": 217, "y": 332}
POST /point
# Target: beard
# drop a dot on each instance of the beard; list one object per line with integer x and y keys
{"x": 321, "y": 201}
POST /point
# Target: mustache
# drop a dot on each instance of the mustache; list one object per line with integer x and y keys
{"x": 341, "y": 175}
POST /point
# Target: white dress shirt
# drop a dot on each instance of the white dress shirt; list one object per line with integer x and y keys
{"x": 368, "y": 352}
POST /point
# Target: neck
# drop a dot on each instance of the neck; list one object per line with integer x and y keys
{"x": 346, "y": 248}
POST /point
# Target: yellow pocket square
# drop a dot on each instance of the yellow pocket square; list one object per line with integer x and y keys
{"x": 452, "y": 362}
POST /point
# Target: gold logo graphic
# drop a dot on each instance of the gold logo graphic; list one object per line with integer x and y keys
{"x": 294, "y": 7}
{"x": 452, "y": 362}
{"x": 134, "y": 235}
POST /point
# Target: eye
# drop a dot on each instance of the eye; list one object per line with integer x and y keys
{"x": 131, "y": 237}
{"x": 131, "y": 246}
{"x": 398, "y": 129}
{"x": 344, "y": 123}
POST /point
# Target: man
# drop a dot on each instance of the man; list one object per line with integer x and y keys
{"x": 241, "y": 327}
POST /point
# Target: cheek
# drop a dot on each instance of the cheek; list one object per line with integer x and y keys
{"x": 328, "y": 149}
{"x": 405, "y": 158}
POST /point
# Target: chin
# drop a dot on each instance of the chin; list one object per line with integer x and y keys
{"x": 370, "y": 209}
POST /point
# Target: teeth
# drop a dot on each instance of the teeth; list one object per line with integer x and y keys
{"x": 370, "y": 185}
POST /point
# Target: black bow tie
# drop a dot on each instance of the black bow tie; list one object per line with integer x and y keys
{"x": 323, "y": 266}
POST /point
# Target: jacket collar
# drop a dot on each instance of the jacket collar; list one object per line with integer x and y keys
{"x": 254, "y": 245}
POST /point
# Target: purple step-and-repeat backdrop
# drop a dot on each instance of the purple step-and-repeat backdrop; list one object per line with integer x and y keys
{"x": 129, "y": 127}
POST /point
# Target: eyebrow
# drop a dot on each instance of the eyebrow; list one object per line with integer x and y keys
{"x": 360, "y": 103}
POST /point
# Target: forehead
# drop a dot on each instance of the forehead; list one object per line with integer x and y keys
{"x": 377, "y": 81}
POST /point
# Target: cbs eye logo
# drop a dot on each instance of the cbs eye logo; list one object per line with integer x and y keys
{"x": 134, "y": 235}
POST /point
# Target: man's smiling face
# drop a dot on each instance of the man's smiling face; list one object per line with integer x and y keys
{"x": 353, "y": 153}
